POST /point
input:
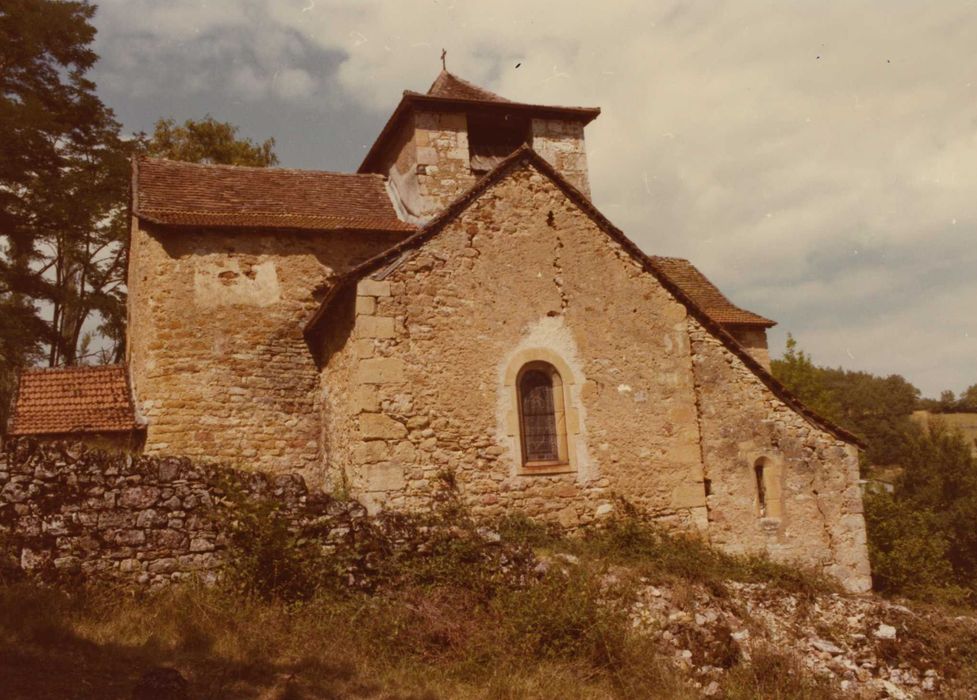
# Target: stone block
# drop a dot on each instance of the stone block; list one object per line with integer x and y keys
{"x": 364, "y": 398}
{"x": 381, "y": 370}
{"x": 373, "y": 288}
{"x": 366, "y": 305}
{"x": 370, "y": 452}
{"x": 377, "y": 426}
{"x": 375, "y": 327}
{"x": 385, "y": 477}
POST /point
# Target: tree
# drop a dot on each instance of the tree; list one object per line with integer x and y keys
{"x": 947, "y": 401}
{"x": 968, "y": 399}
{"x": 62, "y": 180}
{"x": 876, "y": 408}
{"x": 797, "y": 372}
{"x": 206, "y": 141}
{"x": 922, "y": 539}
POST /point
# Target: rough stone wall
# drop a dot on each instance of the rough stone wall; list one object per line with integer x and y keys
{"x": 561, "y": 143}
{"x": 819, "y": 503}
{"x": 67, "y": 510}
{"x": 429, "y": 163}
{"x": 443, "y": 161}
{"x": 754, "y": 341}
{"x": 523, "y": 270}
{"x": 219, "y": 366}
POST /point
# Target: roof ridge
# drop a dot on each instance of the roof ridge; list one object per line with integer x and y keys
{"x": 69, "y": 368}
{"x": 255, "y": 168}
{"x": 445, "y": 76}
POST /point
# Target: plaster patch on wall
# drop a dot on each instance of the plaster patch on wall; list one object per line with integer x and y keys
{"x": 229, "y": 282}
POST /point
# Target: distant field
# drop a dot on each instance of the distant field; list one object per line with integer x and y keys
{"x": 966, "y": 423}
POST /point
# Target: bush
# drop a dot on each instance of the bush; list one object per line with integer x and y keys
{"x": 775, "y": 676}
{"x": 633, "y": 539}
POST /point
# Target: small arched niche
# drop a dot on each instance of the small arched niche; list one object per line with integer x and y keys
{"x": 767, "y": 478}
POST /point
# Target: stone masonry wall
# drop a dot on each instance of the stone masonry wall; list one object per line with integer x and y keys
{"x": 219, "y": 366}
{"x": 429, "y": 163}
{"x": 561, "y": 143}
{"x": 522, "y": 274}
{"x": 69, "y": 511}
{"x": 817, "y": 517}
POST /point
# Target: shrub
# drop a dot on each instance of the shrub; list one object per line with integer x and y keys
{"x": 775, "y": 676}
{"x": 633, "y": 539}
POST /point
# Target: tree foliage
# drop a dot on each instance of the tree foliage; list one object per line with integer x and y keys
{"x": 64, "y": 179}
{"x": 207, "y": 141}
{"x": 62, "y": 187}
{"x": 876, "y": 408}
{"x": 922, "y": 538}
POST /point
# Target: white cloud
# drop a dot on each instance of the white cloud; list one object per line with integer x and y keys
{"x": 815, "y": 159}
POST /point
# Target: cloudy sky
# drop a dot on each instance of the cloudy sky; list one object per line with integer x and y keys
{"x": 817, "y": 160}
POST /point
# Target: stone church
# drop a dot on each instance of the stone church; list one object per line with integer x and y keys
{"x": 456, "y": 306}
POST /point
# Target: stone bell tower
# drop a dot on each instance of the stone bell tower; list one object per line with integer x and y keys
{"x": 437, "y": 144}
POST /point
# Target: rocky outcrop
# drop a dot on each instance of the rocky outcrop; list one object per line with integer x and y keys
{"x": 864, "y": 646}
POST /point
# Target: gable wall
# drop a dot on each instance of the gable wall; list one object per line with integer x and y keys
{"x": 431, "y": 345}
{"x": 820, "y": 518}
{"x": 219, "y": 367}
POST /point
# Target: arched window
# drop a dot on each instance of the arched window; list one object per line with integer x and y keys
{"x": 542, "y": 422}
{"x": 768, "y": 474}
{"x": 761, "y": 488}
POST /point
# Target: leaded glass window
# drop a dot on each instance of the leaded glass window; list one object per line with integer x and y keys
{"x": 538, "y": 414}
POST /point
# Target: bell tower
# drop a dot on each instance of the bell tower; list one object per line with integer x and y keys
{"x": 438, "y": 144}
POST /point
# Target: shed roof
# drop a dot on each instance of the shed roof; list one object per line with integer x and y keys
{"x": 192, "y": 194}
{"x": 73, "y": 400}
{"x": 697, "y": 286}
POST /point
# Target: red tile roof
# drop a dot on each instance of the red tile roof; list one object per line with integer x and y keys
{"x": 191, "y": 194}
{"x": 73, "y": 400}
{"x": 451, "y": 86}
{"x": 706, "y": 295}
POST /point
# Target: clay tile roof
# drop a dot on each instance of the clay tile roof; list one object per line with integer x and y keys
{"x": 706, "y": 295}
{"x": 191, "y": 194}
{"x": 451, "y": 86}
{"x": 73, "y": 400}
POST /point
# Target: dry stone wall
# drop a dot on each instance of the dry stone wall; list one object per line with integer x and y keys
{"x": 68, "y": 511}
{"x": 219, "y": 366}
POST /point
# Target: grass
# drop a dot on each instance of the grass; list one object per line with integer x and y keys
{"x": 452, "y": 617}
{"x": 659, "y": 556}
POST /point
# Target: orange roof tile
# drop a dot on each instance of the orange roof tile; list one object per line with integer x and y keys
{"x": 451, "y": 86}
{"x": 706, "y": 295}
{"x": 73, "y": 400}
{"x": 192, "y": 194}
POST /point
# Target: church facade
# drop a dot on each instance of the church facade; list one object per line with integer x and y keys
{"x": 459, "y": 309}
